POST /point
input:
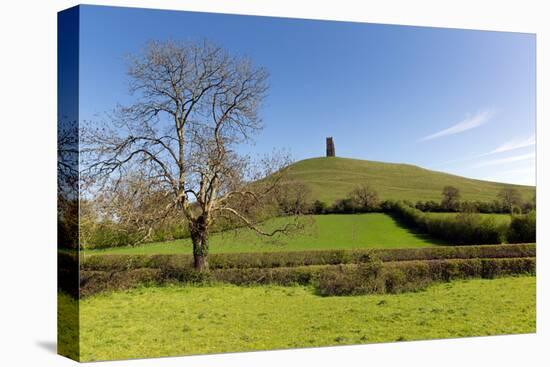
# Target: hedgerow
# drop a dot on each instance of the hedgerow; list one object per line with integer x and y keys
{"x": 462, "y": 229}
{"x": 305, "y": 258}
{"x": 458, "y": 252}
{"x": 407, "y": 276}
{"x": 345, "y": 279}
{"x": 92, "y": 282}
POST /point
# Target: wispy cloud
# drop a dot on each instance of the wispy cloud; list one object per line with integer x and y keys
{"x": 505, "y": 147}
{"x": 516, "y": 158}
{"x": 513, "y": 145}
{"x": 469, "y": 123}
{"x": 520, "y": 176}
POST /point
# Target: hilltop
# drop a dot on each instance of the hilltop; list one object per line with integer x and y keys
{"x": 332, "y": 178}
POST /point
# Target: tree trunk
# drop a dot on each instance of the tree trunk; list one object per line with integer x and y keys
{"x": 201, "y": 263}
{"x": 199, "y": 237}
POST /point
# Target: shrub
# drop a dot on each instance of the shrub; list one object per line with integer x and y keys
{"x": 301, "y": 275}
{"x": 184, "y": 274}
{"x": 344, "y": 206}
{"x": 349, "y": 280}
{"x": 415, "y": 275}
{"x": 429, "y": 206}
{"x": 92, "y": 282}
{"x": 387, "y": 206}
{"x": 67, "y": 272}
{"x": 319, "y": 207}
{"x": 523, "y": 228}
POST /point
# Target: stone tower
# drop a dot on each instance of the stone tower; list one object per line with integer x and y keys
{"x": 331, "y": 152}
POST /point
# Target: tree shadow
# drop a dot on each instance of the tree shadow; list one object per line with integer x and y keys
{"x": 417, "y": 233}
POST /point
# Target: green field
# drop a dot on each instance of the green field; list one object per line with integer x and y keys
{"x": 333, "y": 178}
{"x": 333, "y": 231}
{"x": 499, "y": 218}
{"x": 215, "y": 319}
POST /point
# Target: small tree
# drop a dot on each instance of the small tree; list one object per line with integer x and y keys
{"x": 469, "y": 207}
{"x": 451, "y": 197}
{"x": 529, "y": 205}
{"x": 344, "y": 206}
{"x": 293, "y": 198}
{"x": 510, "y": 198}
{"x": 364, "y": 197}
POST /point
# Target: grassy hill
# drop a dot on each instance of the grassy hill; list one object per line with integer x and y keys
{"x": 333, "y": 178}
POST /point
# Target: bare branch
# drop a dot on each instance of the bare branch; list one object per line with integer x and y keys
{"x": 176, "y": 143}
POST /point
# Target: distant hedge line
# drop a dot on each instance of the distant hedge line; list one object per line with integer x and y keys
{"x": 332, "y": 272}
{"x": 468, "y": 228}
{"x": 328, "y": 280}
{"x": 305, "y": 258}
{"x": 495, "y": 206}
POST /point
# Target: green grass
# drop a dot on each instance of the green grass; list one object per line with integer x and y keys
{"x": 176, "y": 320}
{"x": 67, "y": 327}
{"x": 331, "y": 179}
{"x": 499, "y": 218}
{"x": 374, "y": 230}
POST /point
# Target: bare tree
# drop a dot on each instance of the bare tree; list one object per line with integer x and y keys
{"x": 451, "y": 197}
{"x": 365, "y": 197}
{"x": 67, "y": 183}
{"x": 128, "y": 215}
{"x": 510, "y": 198}
{"x": 194, "y": 103}
{"x": 293, "y": 197}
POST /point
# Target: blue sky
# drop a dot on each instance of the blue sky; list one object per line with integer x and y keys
{"x": 457, "y": 101}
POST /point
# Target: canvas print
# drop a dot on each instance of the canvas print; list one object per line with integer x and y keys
{"x": 233, "y": 183}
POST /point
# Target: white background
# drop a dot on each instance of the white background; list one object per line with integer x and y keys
{"x": 28, "y": 182}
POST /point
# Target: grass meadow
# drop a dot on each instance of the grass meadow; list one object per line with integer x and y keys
{"x": 331, "y": 179}
{"x": 322, "y": 232}
{"x": 154, "y": 319}
{"x": 225, "y": 318}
